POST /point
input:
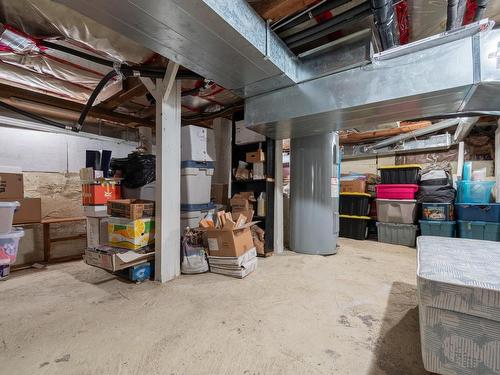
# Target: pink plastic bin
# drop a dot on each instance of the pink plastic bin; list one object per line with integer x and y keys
{"x": 396, "y": 191}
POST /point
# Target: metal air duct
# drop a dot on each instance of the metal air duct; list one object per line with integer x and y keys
{"x": 454, "y": 73}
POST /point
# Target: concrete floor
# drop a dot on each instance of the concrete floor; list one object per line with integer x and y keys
{"x": 351, "y": 313}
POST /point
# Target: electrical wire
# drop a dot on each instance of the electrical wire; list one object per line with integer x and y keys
{"x": 35, "y": 117}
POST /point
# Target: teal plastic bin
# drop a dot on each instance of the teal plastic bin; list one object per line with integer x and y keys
{"x": 479, "y": 230}
{"x": 438, "y": 228}
{"x": 474, "y": 191}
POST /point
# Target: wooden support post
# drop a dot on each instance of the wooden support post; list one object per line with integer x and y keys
{"x": 278, "y": 198}
{"x": 46, "y": 242}
{"x": 168, "y": 170}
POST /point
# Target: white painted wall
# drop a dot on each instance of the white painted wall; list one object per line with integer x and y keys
{"x": 39, "y": 151}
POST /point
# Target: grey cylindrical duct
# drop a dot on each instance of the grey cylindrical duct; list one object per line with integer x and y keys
{"x": 481, "y": 8}
{"x": 383, "y": 15}
{"x": 314, "y": 194}
{"x": 452, "y": 15}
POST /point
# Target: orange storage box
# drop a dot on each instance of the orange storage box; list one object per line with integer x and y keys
{"x": 100, "y": 193}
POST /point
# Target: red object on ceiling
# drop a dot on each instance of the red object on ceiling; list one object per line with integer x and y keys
{"x": 403, "y": 22}
{"x": 470, "y": 12}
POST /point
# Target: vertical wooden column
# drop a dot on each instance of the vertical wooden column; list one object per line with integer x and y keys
{"x": 167, "y": 93}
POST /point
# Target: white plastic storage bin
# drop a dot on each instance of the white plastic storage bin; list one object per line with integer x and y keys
{"x": 197, "y": 143}
{"x": 9, "y": 244}
{"x": 399, "y": 211}
{"x": 196, "y": 182}
{"x": 192, "y": 214}
{"x": 7, "y": 216}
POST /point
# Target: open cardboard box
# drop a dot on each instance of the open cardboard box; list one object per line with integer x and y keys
{"x": 113, "y": 259}
{"x": 230, "y": 241}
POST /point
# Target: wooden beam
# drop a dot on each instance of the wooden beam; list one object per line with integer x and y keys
{"x": 278, "y": 9}
{"x": 348, "y": 138}
{"x": 7, "y": 91}
{"x": 133, "y": 88}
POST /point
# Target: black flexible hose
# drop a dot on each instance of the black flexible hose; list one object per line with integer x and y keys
{"x": 34, "y": 116}
{"x": 93, "y": 97}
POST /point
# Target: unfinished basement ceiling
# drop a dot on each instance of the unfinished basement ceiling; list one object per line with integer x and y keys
{"x": 31, "y": 71}
{"x": 44, "y": 79}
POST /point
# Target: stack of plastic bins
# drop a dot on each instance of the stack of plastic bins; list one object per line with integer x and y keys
{"x": 438, "y": 219}
{"x": 396, "y": 204}
{"x": 354, "y": 208}
{"x": 197, "y": 169}
{"x": 479, "y": 221}
{"x": 9, "y": 237}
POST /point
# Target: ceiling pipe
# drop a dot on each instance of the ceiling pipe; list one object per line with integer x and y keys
{"x": 452, "y": 15}
{"x": 306, "y": 15}
{"x": 383, "y": 16}
{"x": 328, "y": 27}
{"x": 481, "y": 8}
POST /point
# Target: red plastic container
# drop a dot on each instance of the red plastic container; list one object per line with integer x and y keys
{"x": 396, "y": 191}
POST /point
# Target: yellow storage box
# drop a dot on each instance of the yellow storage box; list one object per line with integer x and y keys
{"x": 131, "y": 234}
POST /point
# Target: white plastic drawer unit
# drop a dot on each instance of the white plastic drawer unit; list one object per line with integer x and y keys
{"x": 196, "y": 182}
{"x": 458, "y": 289}
{"x": 197, "y": 143}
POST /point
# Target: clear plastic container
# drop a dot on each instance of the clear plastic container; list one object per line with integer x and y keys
{"x": 9, "y": 244}
{"x": 7, "y": 216}
{"x": 474, "y": 191}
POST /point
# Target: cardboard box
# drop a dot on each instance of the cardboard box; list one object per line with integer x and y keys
{"x": 219, "y": 194}
{"x": 89, "y": 174}
{"x": 240, "y": 204}
{"x": 11, "y": 186}
{"x": 113, "y": 259}
{"x": 236, "y": 271}
{"x": 131, "y": 234}
{"x": 29, "y": 212}
{"x": 100, "y": 193}
{"x": 255, "y": 156}
{"x": 97, "y": 232}
{"x": 355, "y": 186}
{"x": 96, "y": 211}
{"x": 131, "y": 208}
{"x": 230, "y": 242}
{"x": 215, "y": 261}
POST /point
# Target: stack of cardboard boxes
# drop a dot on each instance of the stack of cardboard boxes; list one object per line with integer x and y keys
{"x": 130, "y": 237}
{"x": 12, "y": 189}
{"x": 96, "y": 192}
{"x": 231, "y": 250}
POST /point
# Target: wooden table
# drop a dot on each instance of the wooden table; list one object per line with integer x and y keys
{"x": 48, "y": 241}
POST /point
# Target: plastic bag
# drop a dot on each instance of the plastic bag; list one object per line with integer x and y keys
{"x": 193, "y": 258}
{"x": 136, "y": 170}
{"x": 436, "y": 194}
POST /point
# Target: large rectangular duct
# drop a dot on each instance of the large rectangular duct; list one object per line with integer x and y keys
{"x": 452, "y": 76}
{"x": 222, "y": 40}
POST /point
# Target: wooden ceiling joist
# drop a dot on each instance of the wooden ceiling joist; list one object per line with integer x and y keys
{"x": 405, "y": 127}
{"x": 133, "y": 87}
{"x": 97, "y": 112}
{"x": 278, "y": 9}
